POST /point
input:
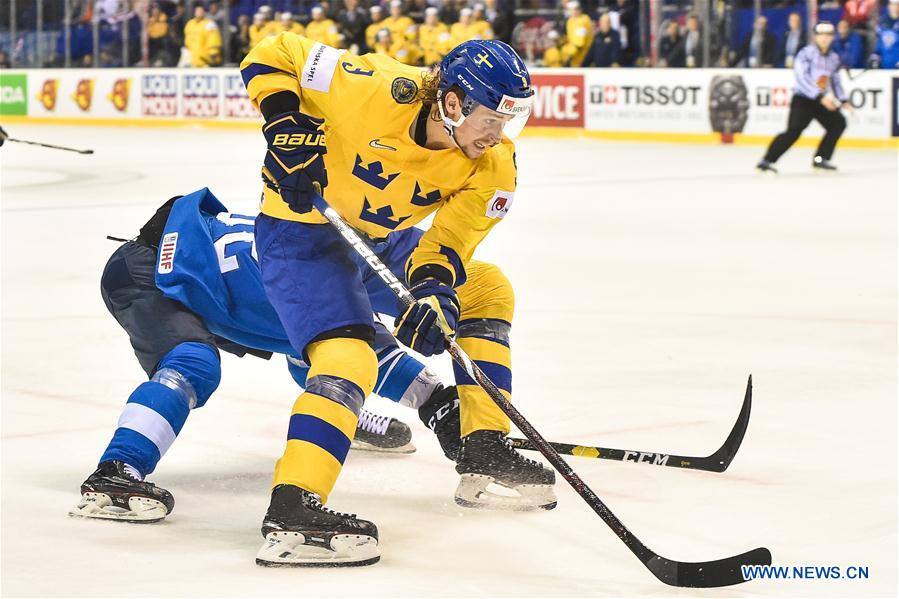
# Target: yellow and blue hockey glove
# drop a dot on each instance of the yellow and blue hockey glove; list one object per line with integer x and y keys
{"x": 294, "y": 165}
{"x": 421, "y": 327}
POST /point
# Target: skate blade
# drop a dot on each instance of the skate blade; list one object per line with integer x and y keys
{"x": 289, "y": 549}
{"x": 473, "y": 492}
{"x": 363, "y": 446}
{"x": 99, "y": 506}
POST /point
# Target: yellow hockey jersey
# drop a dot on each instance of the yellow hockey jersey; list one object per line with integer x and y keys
{"x": 379, "y": 179}
{"x": 204, "y": 42}
{"x": 324, "y": 31}
{"x": 580, "y": 37}
{"x": 434, "y": 42}
{"x": 401, "y": 27}
{"x": 371, "y": 32}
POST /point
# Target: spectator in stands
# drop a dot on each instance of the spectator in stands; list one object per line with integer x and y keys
{"x": 671, "y": 48}
{"x": 794, "y": 40}
{"x": 433, "y": 38}
{"x": 579, "y": 29}
{"x": 606, "y": 48}
{"x": 886, "y": 53}
{"x": 177, "y": 21}
{"x": 259, "y": 30}
{"x": 759, "y": 47}
{"x": 353, "y": 21}
{"x": 481, "y": 28}
{"x": 400, "y": 25}
{"x": 377, "y": 23}
{"x": 322, "y": 29}
{"x": 448, "y": 13}
{"x": 624, "y": 21}
{"x": 501, "y": 18}
{"x": 288, "y": 24}
{"x": 693, "y": 56}
{"x": 158, "y": 37}
{"x": 463, "y": 30}
{"x": 203, "y": 40}
{"x": 552, "y": 56}
{"x": 858, "y": 12}
{"x": 848, "y": 45}
{"x": 240, "y": 42}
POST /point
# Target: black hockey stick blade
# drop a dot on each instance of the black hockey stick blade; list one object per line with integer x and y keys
{"x": 717, "y": 573}
{"x": 716, "y": 462}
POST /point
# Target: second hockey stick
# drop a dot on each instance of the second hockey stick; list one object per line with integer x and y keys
{"x": 715, "y": 573}
{"x": 716, "y": 462}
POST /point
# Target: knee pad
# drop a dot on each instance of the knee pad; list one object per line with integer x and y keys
{"x": 343, "y": 370}
{"x": 193, "y": 369}
{"x": 487, "y": 293}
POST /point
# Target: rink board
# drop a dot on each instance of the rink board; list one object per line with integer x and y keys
{"x": 693, "y": 105}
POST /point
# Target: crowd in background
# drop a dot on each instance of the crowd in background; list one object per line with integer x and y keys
{"x": 602, "y": 33}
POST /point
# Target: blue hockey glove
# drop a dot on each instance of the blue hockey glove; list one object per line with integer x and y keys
{"x": 422, "y": 325}
{"x": 294, "y": 165}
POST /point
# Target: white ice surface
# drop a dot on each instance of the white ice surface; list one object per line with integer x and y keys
{"x": 650, "y": 281}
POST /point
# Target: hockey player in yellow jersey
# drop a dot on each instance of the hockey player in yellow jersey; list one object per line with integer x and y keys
{"x": 262, "y": 28}
{"x": 322, "y": 29}
{"x": 579, "y": 32}
{"x": 400, "y": 26}
{"x": 552, "y": 56}
{"x": 433, "y": 38}
{"x": 388, "y": 145}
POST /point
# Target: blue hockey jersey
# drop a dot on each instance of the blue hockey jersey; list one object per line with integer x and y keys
{"x": 207, "y": 261}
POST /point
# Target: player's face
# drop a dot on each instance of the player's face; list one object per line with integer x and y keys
{"x": 480, "y": 131}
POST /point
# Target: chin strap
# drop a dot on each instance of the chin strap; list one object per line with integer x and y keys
{"x": 449, "y": 125}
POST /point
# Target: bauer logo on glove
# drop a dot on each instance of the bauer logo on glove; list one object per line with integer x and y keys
{"x": 294, "y": 165}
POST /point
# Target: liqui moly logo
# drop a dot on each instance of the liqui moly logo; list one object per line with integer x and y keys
{"x": 167, "y": 253}
{"x": 159, "y": 95}
{"x": 200, "y": 95}
{"x": 236, "y": 102}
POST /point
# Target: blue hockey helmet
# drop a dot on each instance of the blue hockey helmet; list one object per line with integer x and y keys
{"x": 491, "y": 74}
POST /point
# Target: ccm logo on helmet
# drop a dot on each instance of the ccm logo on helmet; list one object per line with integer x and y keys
{"x": 500, "y": 203}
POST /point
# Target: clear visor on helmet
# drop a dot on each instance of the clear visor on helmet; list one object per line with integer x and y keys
{"x": 517, "y": 108}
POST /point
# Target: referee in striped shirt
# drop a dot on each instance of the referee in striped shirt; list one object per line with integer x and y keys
{"x": 818, "y": 95}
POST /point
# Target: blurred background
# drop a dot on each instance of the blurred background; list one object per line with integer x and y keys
{"x": 604, "y": 33}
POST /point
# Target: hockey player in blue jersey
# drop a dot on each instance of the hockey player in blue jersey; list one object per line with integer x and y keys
{"x": 188, "y": 286}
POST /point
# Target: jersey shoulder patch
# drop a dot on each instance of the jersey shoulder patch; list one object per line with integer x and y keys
{"x": 318, "y": 71}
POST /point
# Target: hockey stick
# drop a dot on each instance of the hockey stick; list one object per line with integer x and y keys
{"x": 4, "y": 138}
{"x": 717, "y": 462}
{"x": 716, "y": 573}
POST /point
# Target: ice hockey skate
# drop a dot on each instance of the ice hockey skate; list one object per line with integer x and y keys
{"x": 382, "y": 434}
{"x": 115, "y": 492}
{"x": 300, "y": 532}
{"x": 495, "y": 476}
{"x": 441, "y": 414}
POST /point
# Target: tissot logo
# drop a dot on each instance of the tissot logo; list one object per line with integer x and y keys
{"x": 645, "y": 95}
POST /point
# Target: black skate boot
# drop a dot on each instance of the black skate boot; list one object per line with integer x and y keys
{"x": 383, "y": 434}
{"x": 488, "y": 457}
{"x": 115, "y": 492}
{"x": 821, "y": 165}
{"x": 766, "y": 167}
{"x": 441, "y": 414}
{"x": 300, "y": 531}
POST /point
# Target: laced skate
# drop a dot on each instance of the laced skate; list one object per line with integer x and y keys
{"x": 116, "y": 492}
{"x": 383, "y": 434}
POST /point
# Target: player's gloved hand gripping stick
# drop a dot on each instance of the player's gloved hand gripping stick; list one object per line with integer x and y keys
{"x": 294, "y": 165}
{"x": 717, "y": 573}
{"x": 431, "y": 319}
